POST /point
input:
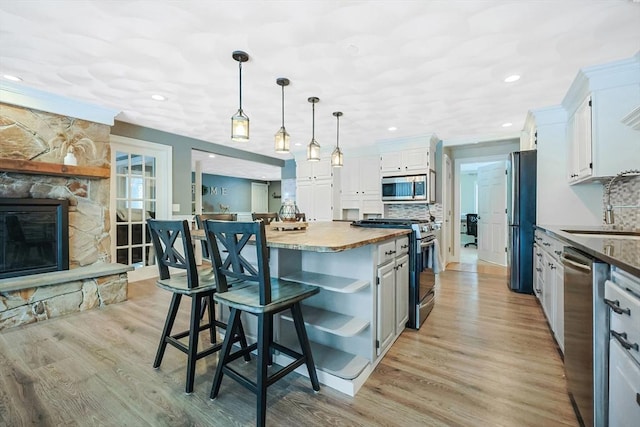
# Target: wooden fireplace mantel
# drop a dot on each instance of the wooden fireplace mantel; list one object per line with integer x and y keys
{"x": 41, "y": 168}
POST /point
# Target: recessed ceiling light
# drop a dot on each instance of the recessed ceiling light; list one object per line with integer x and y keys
{"x": 392, "y": 129}
{"x": 159, "y": 97}
{"x": 12, "y": 78}
{"x": 506, "y": 125}
{"x": 212, "y": 156}
{"x": 512, "y": 78}
{"x": 263, "y": 177}
{"x": 298, "y": 144}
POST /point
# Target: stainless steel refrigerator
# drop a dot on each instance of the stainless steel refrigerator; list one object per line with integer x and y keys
{"x": 521, "y": 217}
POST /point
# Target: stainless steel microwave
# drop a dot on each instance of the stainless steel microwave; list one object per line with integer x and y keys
{"x": 399, "y": 188}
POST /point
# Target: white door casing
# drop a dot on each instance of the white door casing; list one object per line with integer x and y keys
{"x": 155, "y": 195}
{"x": 448, "y": 211}
{"x": 492, "y": 217}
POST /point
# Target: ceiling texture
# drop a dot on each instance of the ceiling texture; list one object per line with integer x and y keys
{"x": 422, "y": 67}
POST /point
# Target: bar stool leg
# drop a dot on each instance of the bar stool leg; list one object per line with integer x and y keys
{"x": 168, "y": 325}
{"x": 194, "y": 332}
{"x": 227, "y": 344}
{"x": 296, "y": 311}
{"x": 212, "y": 318}
{"x": 264, "y": 355}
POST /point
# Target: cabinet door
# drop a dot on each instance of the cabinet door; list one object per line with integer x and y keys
{"x": 350, "y": 180}
{"x": 386, "y": 308}
{"x": 415, "y": 160}
{"x": 304, "y": 198}
{"x": 369, "y": 176}
{"x": 559, "y": 305}
{"x": 537, "y": 271}
{"x": 547, "y": 291}
{"x": 321, "y": 169}
{"x": 624, "y": 387}
{"x": 402, "y": 292}
{"x": 322, "y": 201}
{"x": 391, "y": 163}
{"x": 582, "y": 135}
{"x": 304, "y": 171}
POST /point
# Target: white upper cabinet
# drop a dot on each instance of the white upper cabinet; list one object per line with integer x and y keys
{"x": 600, "y": 143}
{"x": 405, "y": 162}
{"x": 361, "y": 187}
{"x": 316, "y": 194}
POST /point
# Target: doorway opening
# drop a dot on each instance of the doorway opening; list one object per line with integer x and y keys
{"x": 479, "y": 223}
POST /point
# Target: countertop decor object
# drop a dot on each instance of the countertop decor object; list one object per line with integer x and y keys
{"x": 282, "y": 136}
{"x": 288, "y": 211}
{"x": 288, "y": 225}
{"x": 313, "y": 149}
{"x": 240, "y": 121}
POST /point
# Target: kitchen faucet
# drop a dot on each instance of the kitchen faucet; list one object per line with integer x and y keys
{"x": 608, "y": 216}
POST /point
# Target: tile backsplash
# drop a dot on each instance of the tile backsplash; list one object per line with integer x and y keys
{"x": 625, "y": 199}
{"x": 413, "y": 210}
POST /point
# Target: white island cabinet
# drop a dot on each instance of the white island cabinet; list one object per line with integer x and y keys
{"x": 342, "y": 320}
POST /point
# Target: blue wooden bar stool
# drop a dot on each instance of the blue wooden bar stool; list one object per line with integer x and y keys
{"x": 259, "y": 295}
{"x": 198, "y": 285}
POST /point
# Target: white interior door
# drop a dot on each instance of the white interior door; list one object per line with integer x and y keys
{"x": 492, "y": 217}
{"x": 140, "y": 190}
{"x": 259, "y": 197}
{"x": 447, "y": 197}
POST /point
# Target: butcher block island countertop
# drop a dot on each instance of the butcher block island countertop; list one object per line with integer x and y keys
{"x": 329, "y": 237}
{"x": 325, "y": 236}
{"x": 353, "y": 321}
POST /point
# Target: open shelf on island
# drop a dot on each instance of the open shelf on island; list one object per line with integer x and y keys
{"x": 340, "y": 284}
{"x": 332, "y": 361}
{"x": 329, "y": 321}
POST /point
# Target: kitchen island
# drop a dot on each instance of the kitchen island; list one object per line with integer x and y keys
{"x": 346, "y": 319}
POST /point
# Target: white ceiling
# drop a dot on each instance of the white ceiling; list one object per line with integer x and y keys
{"x": 422, "y": 66}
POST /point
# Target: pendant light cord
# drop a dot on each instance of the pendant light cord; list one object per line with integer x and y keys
{"x": 282, "y": 106}
{"x": 338, "y": 133}
{"x": 313, "y": 121}
{"x": 240, "y": 67}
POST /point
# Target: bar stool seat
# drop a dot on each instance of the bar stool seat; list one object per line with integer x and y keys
{"x": 200, "y": 286}
{"x": 259, "y": 295}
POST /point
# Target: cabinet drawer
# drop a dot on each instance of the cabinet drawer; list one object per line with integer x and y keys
{"x": 402, "y": 246}
{"x": 625, "y": 316}
{"x": 624, "y": 387}
{"x": 386, "y": 252}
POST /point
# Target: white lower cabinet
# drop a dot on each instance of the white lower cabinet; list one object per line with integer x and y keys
{"x": 548, "y": 282}
{"x": 386, "y": 309}
{"x": 402, "y": 292}
{"x": 621, "y": 295}
{"x": 393, "y": 291}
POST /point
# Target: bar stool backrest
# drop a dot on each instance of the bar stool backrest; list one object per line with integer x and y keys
{"x": 165, "y": 235}
{"x": 215, "y": 216}
{"x": 233, "y": 237}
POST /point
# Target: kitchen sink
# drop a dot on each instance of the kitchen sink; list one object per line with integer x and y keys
{"x": 605, "y": 234}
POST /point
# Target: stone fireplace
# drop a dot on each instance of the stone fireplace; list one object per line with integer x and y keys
{"x": 33, "y": 145}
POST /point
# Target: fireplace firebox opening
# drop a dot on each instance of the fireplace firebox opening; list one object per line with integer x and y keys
{"x": 34, "y": 236}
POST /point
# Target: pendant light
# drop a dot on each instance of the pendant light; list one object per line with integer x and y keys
{"x": 336, "y": 156}
{"x": 282, "y": 137}
{"x": 240, "y": 122}
{"x": 313, "y": 149}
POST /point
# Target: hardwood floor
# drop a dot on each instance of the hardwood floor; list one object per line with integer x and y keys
{"x": 484, "y": 357}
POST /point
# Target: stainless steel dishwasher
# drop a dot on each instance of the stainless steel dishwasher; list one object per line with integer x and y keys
{"x": 586, "y": 333}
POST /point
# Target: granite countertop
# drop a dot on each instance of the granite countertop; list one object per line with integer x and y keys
{"x": 327, "y": 236}
{"x": 621, "y": 252}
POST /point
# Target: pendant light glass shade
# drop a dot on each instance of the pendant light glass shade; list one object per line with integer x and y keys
{"x": 313, "y": 149}
{"x": 282, "y": 136}
{"x": 336, "y": 156}
{"x": 240, "y": 121}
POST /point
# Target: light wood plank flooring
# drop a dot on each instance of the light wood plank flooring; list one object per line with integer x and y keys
{"x": 485, "y": 357}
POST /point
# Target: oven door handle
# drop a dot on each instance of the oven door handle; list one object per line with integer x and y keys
{"x": 427, "y": 244}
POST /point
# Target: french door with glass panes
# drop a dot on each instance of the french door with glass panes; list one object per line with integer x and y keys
{"x": 140, "y": 190}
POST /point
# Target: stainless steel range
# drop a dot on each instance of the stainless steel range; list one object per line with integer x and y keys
{"x": 421, "y": 275}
